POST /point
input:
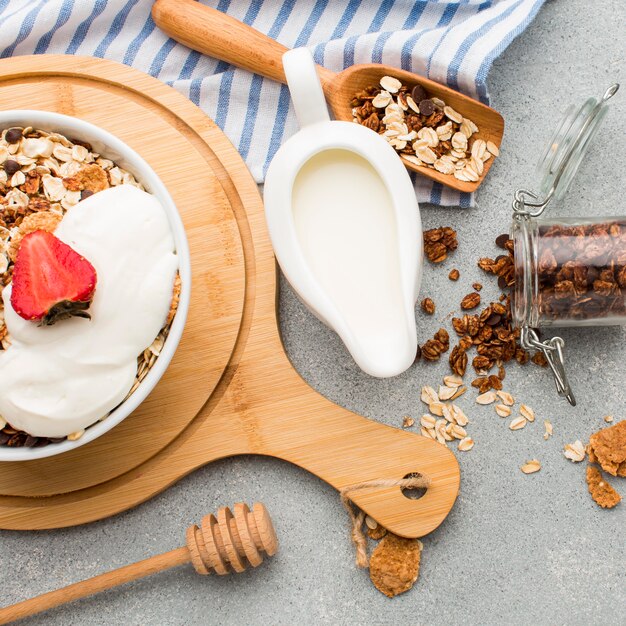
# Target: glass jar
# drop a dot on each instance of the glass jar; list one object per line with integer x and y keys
{"x": 568, "y": 272}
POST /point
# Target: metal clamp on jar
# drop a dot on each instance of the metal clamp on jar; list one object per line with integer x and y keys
{"x": 568, "y": 272}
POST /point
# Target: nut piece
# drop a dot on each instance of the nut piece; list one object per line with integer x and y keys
{"x": 470, "y": 301}
{"x": 574, "y": 451}
{"x": 486, "y": 398}
{"x": 530, "y": 467}
{"x": 394, "y": 564}
{"x": 454, "y": 274}
{"x": 600, "y": 490}
{"x": 428, "y": 306}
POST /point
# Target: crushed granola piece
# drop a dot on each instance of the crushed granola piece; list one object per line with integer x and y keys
{"x": 407, "y": 421}
{"x": 44, "y": 220}
{"x": 92, "y": 177}
{"x": 376, "y": 533}
{"x": 609, "y": 447}
{"x": 601, "y": 491}
{"x": 428, "y": 306}
{"x": 175, "y": 300}
{"x": 394, "y": 564}
{"x": 454, "y": 274}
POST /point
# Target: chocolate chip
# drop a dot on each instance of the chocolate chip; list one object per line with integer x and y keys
{"x": 85, "y": 193}
{"x": 30, "y": 441}
{"x": 502, "y": 282}
{"x": 427, "y": 107}
{"x": 13, "y": 135}
{"x": 10, "y": 167}
{"x": 4, "y": 437}
{"x": 501, "y": 240}
{"x": 418, "y": 93}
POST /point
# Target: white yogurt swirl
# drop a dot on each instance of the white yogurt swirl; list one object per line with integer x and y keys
{"x": 59, "y": 379}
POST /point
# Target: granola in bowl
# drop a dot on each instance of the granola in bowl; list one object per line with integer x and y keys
{"x": 55, "y": 195}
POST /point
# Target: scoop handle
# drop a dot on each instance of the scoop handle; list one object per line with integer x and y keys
{"x": 223, "y": 37}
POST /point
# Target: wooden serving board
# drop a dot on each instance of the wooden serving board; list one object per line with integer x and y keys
{"x": 230, "y": 388}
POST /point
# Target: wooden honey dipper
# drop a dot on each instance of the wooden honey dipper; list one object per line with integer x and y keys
{"x": 223, "y": 543}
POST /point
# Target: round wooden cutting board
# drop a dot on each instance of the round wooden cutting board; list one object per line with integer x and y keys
{"x": 230, "y": 388}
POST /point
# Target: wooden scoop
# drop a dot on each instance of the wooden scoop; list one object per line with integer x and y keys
{"x": 223, "y": 37}
{"x": 226, "y": 543}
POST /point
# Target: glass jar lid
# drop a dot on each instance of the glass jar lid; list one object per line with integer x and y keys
{"x": 564, "y": 154}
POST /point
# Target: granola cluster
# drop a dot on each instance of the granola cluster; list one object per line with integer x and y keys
{"x": 581, "y": 271}
{"x": 424, "y": 130}
{"x": 43, "y": 175}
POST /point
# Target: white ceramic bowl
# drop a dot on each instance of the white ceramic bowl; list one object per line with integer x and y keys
{"x": 112, "y": 148}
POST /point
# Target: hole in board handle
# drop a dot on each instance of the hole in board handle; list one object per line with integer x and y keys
{"x": 413, "y": 493}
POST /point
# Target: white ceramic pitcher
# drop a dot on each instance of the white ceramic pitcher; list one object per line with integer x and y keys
{"x": 345, "y": 225}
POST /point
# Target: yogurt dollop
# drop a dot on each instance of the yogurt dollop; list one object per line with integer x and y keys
{"x": 59, "y": 379}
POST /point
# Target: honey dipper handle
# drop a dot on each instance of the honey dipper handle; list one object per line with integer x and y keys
{"x": 223, "y": 37}
{"x": 88, "y": 587}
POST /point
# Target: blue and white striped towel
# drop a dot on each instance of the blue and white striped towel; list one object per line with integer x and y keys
{"x": 451, "y": 41}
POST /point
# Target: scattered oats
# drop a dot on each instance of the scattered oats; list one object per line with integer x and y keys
{"x": 440, "y": 429}
{"x": 459, "y": 416}
{"x": 382, "y": 100}
{"x": 458, "y": 432}
{"x": 518, "y": 423}
{"x": 448, "y": 414}
{"x": 444, "y": 166}
{"x": 429, "y": 395}
{"x": 407, "y": 421}
{"x": 75, "y": 436}
{"x": 608, "y": 419}
{"x": 452, "y": 381}
{"x": 53, "y": 188}
{"x": 506, "y": 398}
{"x": 527, "y": 412}
{"x": 493, "y": 149}
{"x": 449, "y": 435}
{"x": 36, "y": 147}
{"x": 476, "y": 165}
{"x": 17, "y": 179}
{"x": 436, "y": 408}
{"x": 428, "y": 421}
{"x": 459, "y": 141}
{"x": 412, "y": 104}
{"x": 370, "y": 522}
{"x": 468, "y": 128}
{"x": 428, "y": 432}
{"x": 574, "y": 451}
{"x": 412, "y": 159}
{"x": 467, "y": 443}
{"x": 503, "y": 410}
{"x": 486, "y": 398}
{"x": 445, "y": 393}
{"x": 429, "y": 135}
{"x": 479, "y": 148}
{"x": 470, "y": 174}
{"x": 547, "y": 424}
{"x": 531, "y": 467}
{"x": 452, "y": 114}
{"x": 390, "y": 84}
{"x": 459, "y": 392}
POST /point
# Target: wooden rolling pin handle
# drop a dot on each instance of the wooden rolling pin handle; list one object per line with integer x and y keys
{"x": 227, "y": 544}
{"x": 223, "y": 37}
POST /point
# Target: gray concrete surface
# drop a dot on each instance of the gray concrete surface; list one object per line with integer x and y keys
{"x": 516, "y": 549}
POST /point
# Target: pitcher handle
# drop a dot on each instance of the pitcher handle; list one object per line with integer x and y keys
{"x": 305, "y": 87}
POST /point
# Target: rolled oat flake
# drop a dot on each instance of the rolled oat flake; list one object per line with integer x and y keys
{"x": 571, "y": 271}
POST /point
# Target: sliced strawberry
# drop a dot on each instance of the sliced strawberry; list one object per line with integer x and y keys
{"x": 51, "y": 281}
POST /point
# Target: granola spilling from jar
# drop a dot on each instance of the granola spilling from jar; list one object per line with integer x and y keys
{"x": 423, "y": 129}
{"x": 43, "y": 175}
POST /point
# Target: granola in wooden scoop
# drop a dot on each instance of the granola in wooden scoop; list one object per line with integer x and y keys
{"x": 395, "y": 564}
{"x": 600, "y": 490}
{"x": 608, "y": 448}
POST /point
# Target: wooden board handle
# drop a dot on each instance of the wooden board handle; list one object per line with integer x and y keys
{"x": 223, "y": 37}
